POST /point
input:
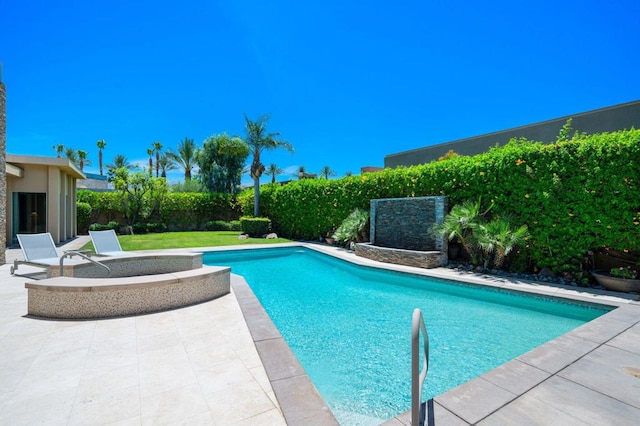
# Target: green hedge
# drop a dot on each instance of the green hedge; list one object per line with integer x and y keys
{"x": 574, "y": 196}
{"x": 255, "y": 226}
{"x": 179, "y": 211}
{"x": 84, "y": 215}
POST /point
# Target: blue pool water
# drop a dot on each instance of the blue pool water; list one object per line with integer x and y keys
{"x": 350, "y": 326}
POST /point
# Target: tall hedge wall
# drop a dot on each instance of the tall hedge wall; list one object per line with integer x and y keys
{"x": 179, "y": 210}
{"x": 574, "y": 196}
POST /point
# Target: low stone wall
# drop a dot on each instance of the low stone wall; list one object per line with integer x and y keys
{"x": 128, "y": 266}
{"x": 90, "y": 298}
{"x": 420, "y": 259}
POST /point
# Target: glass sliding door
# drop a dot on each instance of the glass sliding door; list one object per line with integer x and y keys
{"x": 29, "y": 213}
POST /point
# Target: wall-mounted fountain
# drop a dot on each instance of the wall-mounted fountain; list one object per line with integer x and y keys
{"x": 400, "y": 232}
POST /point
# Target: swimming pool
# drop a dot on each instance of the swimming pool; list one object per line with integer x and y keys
{"x": 349, "y": 326}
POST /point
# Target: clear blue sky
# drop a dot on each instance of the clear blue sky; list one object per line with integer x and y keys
{"x": 345, "y": 82}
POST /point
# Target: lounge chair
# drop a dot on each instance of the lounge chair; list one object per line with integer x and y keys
{"x": 105, "y": 243}
{"x": 39, "y": 250}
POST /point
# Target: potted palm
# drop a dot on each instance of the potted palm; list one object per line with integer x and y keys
{"x": 625, "y": 279}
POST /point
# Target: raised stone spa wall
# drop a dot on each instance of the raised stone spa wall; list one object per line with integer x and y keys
{"x": 419, "y": 259}
{"x": 128, "y": 266}
{"x": 90, "y": 298}
{"x": 400, "y": 232}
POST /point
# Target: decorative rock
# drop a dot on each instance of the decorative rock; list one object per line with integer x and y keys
{"x": 271, "y": 236}
{"x": 243, "y": 236}
{"x": 546, "y": 272}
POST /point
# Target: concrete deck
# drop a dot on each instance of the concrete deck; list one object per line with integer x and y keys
{"x": 194, "y": 365}
{"x": 199, "y": 365}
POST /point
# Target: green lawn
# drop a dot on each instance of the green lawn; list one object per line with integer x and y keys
{"x": 169, "y": 240}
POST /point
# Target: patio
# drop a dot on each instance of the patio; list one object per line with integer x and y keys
{"x": 200, "y": 365}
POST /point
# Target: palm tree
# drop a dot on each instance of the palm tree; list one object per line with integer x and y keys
{"x": 461, "y": 223}
{"x": 3, "y": 174}
{"x": 326, "y": 172}
{"x": 186, "y": 157}
{"x": 258, "y": 140}
{"x": 119, "y": 161}
{"x": 59, "y": 149}
{"x": 498, "y": 239}
{"x": 82, "y": 159}
{"x": 157, "y": 147}
{"x": 273, "y": 170}
{"x": 71, "y": 154}
{"x": 166, "y": 164}
{"x": 301, "y": 172}
{"x": 150, "y": 154}
{"x": 101, "y": 144}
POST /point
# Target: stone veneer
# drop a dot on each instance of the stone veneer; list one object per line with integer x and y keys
{"x": 400, "y": 232}
{"x": 90, "y": 298}
{"x": 133, "y": 264}
{"x": 419, "y": 259}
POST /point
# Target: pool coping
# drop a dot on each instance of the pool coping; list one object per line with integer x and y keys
{"x": 469, "y": 403}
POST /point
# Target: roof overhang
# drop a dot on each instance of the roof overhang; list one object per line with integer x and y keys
{"x": 19, "y": 161}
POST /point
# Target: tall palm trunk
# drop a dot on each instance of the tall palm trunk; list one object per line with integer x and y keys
{"x": 3, "y": 175}
{"x": 256, "y": 197}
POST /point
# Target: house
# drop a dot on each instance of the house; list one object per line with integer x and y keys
{"x": 94, "y": 182}
{"x": 609, "y": 119}
{"x": 41, "y": 197}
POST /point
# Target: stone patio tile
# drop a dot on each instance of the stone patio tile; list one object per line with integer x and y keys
{"x": 268, "y": 418}
{"x": 561, "y": 401}
{"x": 11, "y": 374}
{"x": 435, "y": 414}
{"x": 49, "y": 374}
{"x": 601, "y": 329}
{"x": 628, "y": 341}
{"x": 527, "y": 411}
{"x": 262, "y": 327}
{"x": 105, "y": 407}
{"x": 279, "y": 362}
{"x": 153, "y": 324}
{"x": 223, "y": 376}
{"x": 97, "y": 381}
{"x": 602, "y": 371}
{"x": 628, "y": 313}
{"x": 163, "y": 370}
{"x": 555, "y": 355}
{"x": 185, "y": 402}
{"x": 238, "y": 403}
{"x": 131, "y": 421}
{"x": 301, "y": 403}
{"x": 475, "y": 399}
{"x": 516, "y": 376}
{"x": 25, "y": 409}
{"x": 159, "y": 341}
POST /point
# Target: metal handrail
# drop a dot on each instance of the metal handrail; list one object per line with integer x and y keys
{"x": 71, "y": 253}
{"x": 417, "y": 376}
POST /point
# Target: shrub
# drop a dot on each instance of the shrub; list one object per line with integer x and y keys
{"x": 574, "y": 195}
{"x": 255, "y": 226}
{"x": 354, "y": 228}
{"x": 139, "y": 228}
{"x": 156, "y": 227}
{"x": 83, "y": 215}
{"x": 181, "y": 211}
{"x": 100, "y": 227}
{"x": 218, "y": 225}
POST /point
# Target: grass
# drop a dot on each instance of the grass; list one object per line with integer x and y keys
{"x": 172, "y": 240}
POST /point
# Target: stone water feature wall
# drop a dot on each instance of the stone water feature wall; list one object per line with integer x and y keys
{"x": 400, "y": 232}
